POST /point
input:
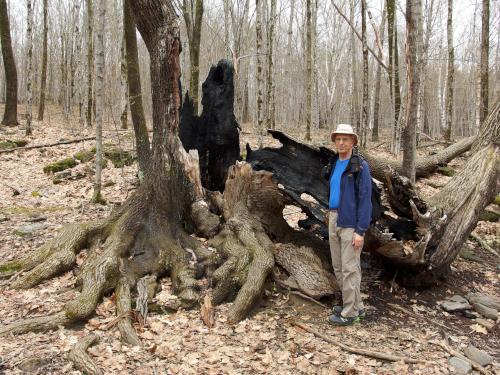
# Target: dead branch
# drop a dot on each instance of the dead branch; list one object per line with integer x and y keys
{"x": 365, "y": 352}
{"x": 456, "y": 353}
{"x": 82, "y": 361}
{"x": 406, "y": 311}
{"x": 47, "y": 145}
{"x": 483, "y": 244}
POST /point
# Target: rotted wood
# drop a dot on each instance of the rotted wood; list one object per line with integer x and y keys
{"x": 215, "y": 132}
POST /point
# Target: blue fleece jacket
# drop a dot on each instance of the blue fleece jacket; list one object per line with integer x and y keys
{"x": 355, "y": 207}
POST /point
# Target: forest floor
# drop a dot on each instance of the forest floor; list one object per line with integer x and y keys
{"x": 33, "y": 208}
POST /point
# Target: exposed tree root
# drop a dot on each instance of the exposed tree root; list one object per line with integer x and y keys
{"x": 123, "y": 309}
{"x": 82, "y": 361}
{"x": 38, "y": 324}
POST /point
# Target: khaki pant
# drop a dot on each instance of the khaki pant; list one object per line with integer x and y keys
{"x": 346, "y": 265}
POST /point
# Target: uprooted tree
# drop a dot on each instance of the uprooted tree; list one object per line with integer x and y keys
{"x": 147, "y": 237}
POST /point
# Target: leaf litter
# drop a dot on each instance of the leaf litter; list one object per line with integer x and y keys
{"x": 181, "y": 343}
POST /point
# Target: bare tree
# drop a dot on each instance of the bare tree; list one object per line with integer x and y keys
{"x": 124, "y": 83}
{"x": 193, "y": 17}
{"x": 378, "y": 77}
{"x": 355, "y": 120}
{"x": 99, "y": 97}
{"x": 393, "y": 71}
{"x": 43, "y": 81}
{"x": 260, "y": 72}
{"x": 135, "y": 90}
{"x": 29, "y": 70}
{"x": 413, "y": 42}
{"x": 485, "y": 47}
{"x": 308, "y": 78}
{"x": 10, "y": 113}
{"x": 271, "y": 104}
{"x": 90, "y": 61}
{"x": 364, "y": 113}
{"x": 450, "y": 73}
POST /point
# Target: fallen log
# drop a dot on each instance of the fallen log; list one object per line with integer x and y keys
{"x": 47, "y": 145}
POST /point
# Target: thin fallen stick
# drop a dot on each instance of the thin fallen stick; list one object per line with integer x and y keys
{"x": 484, "y": 245}
{"x": 365, "y": 352}
{"x": 406, "y": 311}
{"x": 82, "y": 361}
{"x": 297, "y": 293}
{"x": 456, "y": 353}
{"x": 47, "y": 145}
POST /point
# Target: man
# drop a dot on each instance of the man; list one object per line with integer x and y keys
{"x": 348, "y": 219}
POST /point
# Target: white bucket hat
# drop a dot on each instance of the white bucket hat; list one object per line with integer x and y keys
{"x": 344, "y": 129}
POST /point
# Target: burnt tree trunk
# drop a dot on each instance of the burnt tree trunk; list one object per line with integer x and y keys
{"x": 215, "y": 133}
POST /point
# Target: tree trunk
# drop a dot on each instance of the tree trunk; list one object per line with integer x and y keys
{"x": 413, "y": 18}
{"x": 393, "y": 71}
{"x": 271, "y": 104}
{"x": 378, "y": 76}
{"x": 308, "y": 78}
{"x": 485, "y": 48}
{"x": 43, "y": 82}
{"x": 124, "y": 83}
{"x": 364, "y": 113}
{"x": 90, "y": 61}
{"x": 354, "y": 75}
{"x": 451, "y": 71}
{"x": 135, "y": 90}
{"x": 260, "y": 72}
{"x": 193, "y": 18}
{"x": 29, "y": 70}
{"x": 99, "y": 97}
{"x": 10, "y": 113}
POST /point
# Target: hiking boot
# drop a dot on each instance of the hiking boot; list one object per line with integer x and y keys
{"x": 339, "y": 320}
{"x": 338, "y": 310}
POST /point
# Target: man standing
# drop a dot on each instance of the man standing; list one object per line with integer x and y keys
{"x": 348, "y": 219}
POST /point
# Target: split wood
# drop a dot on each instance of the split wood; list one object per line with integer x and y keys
{"x": 82, "y": 361}
{"x": 456, "y": 353}
{"x": 47, "y": 145}
{"x": 365, "y": 352}
{"x": 484, "y": 245}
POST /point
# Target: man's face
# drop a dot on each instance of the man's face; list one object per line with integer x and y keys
{"x": 344, "y": 143}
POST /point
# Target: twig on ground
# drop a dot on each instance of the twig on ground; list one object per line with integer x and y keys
{"x": 82, "y": 361}
{"x": 456, "y": 353}
{"x": 406, "y": 311}
{"x": 47, "y": 145}
{"x": 365, "y": 352}
{"x": 483, "y": 244}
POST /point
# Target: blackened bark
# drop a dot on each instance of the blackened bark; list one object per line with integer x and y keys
{"x": 215, "y": 133}
{"x": 10, "y": 114}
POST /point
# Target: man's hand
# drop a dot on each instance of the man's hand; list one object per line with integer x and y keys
{"x": 357, "y": 241}
{"x": 327, "y": 219}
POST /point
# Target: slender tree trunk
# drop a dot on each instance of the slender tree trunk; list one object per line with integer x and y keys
{"x": 43, "y": 82}
{"x": 135, "y": 90}
{"x": 413, "y": 17}
{"x": 378, "y": 76}
{"x": 288, "y": 62}
{"x": 393, "y": 71}
{"x": 124, "y": 82}
{"x": 308, "y": 70}
{"x": 90, "y": 61}
{"x": 450, "y": 74}
{"x": 99, "y": 98}
{"x": 29, "y": 72}
{"x": 364, "y": 114}
{"x": 10, "y": 113}
{"x": 260, "y": 73}
{"x": 484, "y": 75}
{"x": 193, "y": 18}
{"x": 271, "y": 105}
{"x": 355, "y": 121}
